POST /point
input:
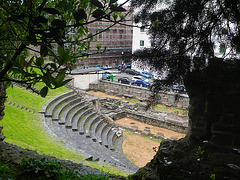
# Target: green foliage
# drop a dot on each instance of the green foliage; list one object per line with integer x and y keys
{"x": 46, "y": 24}
{"x": 95, "y": 177}
{"x": 7, "y": 170}
{"x": 31, "y": 168}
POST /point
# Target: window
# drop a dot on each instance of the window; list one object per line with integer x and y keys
{"x": 222, "y": 48}
{"x": 142, "y": 29}
{"x": 141, "y": 43}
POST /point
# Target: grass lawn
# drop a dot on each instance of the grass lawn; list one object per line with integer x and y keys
{"x": 23, "y": 128}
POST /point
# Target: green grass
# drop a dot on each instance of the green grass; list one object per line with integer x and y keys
{"x": 24, "y": 129}
{"x": 168, "y": 109}
{"x": 132, "y": 101}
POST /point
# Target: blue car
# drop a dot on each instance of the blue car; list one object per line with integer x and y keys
{"x": 97, "y": 66}
{"x": 143, "y": 83}
{"x": 104, "y": 67}
{"x": 146, "y": 75}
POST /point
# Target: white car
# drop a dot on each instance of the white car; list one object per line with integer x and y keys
{"x": 135, "y": 78}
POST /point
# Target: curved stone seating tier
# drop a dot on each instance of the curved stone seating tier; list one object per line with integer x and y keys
{"x": 105, "y": 136}
{"x": 78, "y": 118}
{"x": 52, "y": 105}
{"x": 62, "y": 107}
{"x": 69, "y": 120}
{"x": 84, "y": 122}
{"x": 67, "y": 111}
{"x": 99, "y": 132}
{"x": 90, "y": 124}
{"x": 111, "y": 139}
{"x": 94, "y": 129}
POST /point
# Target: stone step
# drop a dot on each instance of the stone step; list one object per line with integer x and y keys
{"x": 53, "y": 106}
{"x": 105, "y": 135}
{"x": 84, "y": 121}
{"x": 62, "y": 107}
{"x": 100, "y": 131}
{"x": 77, "y": 119}
{"x": 90, "y": 124}
{"x": 111, "y": 139}
{"x": 69, "y": 120}
{"x": 94, "y": 129}
{"x": 68, "y": 110}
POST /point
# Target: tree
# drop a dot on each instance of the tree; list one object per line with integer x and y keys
{"x": 187, "y": 35}
{"x": 35, "y": 41}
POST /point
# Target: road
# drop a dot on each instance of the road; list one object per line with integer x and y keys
{"x": 118, "y": 74}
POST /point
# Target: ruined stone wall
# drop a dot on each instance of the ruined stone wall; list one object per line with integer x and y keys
{"x": 119, "y": 109}
{"x": 141, "y": 93}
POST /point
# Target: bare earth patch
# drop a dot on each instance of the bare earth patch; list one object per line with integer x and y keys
{"x": 101, "y": 94}
{"x": 138, "y": 149}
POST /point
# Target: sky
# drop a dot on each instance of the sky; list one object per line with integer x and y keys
{"x": 122, "y": 1}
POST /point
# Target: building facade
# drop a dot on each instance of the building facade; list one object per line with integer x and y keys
{"x": 117, "y": 40}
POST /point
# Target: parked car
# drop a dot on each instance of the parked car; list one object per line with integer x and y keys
{"x": 97, "y": 66}
{"x": 125, "y": 80}
{"x": 178, "y": 88}
{"x": 128, "y": 65}
{"x": 133, "y": 72}
{"x": 143, "y": 83}
{"x": 104, "y": 67}
{"x": 146, "y": 75}
{"x": 134, "y": 78}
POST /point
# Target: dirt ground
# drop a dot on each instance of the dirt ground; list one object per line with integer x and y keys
{"x": 139, "y": 150}
{"x": 101, "y": 94}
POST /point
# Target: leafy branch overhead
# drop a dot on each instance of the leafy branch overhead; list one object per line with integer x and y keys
{"x": 36, "y": 42}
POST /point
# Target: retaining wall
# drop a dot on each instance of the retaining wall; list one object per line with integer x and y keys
{"x": 141, "y": 93}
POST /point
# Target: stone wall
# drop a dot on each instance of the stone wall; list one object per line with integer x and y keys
{"x": 141, "y": 93}
{"x": 117, "y": 109}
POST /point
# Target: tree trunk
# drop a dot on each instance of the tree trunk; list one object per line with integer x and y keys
{"x": 2, "y": 100}
{"x": 212, "y": 145}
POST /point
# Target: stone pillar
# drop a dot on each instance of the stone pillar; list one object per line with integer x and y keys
{"x": 138, "y": 95}
{"x": 180, "y": 103}
{"x": 164, "y": 100}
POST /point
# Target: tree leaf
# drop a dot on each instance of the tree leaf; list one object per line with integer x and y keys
{"x": 44, "y": 91}
{"x": 117, "y": 9}
{"x": 51, "y": 11}
{"x": 60, "y": 77}
{"x": 80, "y": 14}
{"x": 98, "y": 13}
{"x": 39, "y": 61}
{"x": 113, "y": 1}
{"x": 43, "y": 50}
{"x": 65, "y": 82}
{"x": 97, "y": 3}
{"x": 46, "y": 81}
{"x": 58, "y": 23}
{"x": 40, "y": 19}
